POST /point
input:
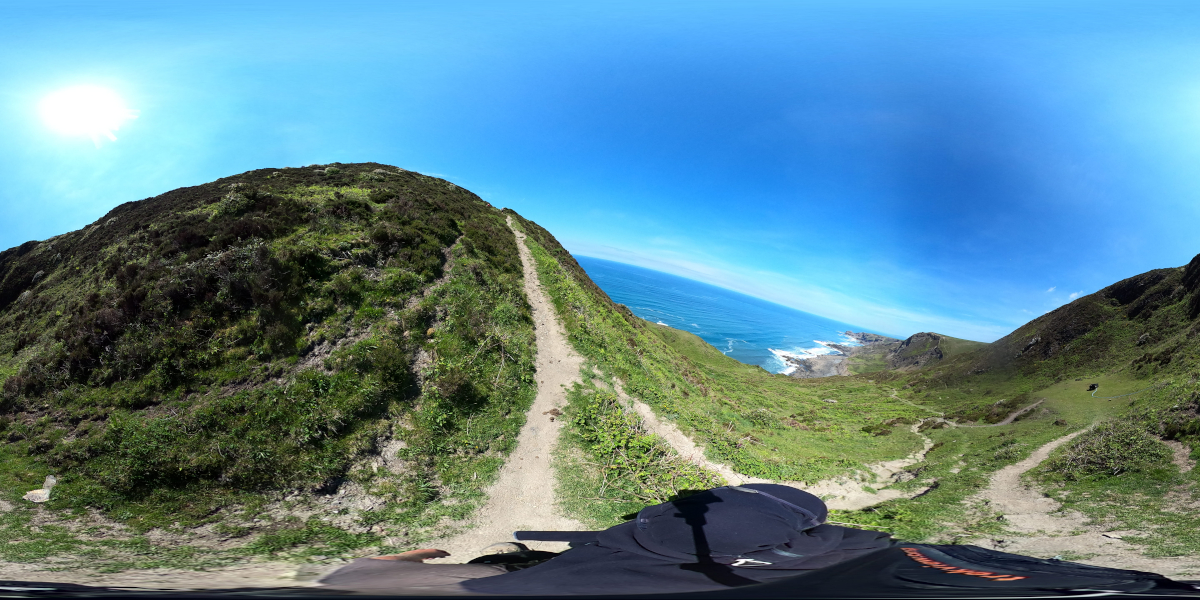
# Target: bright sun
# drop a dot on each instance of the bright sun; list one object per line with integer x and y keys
{"x": 86, "y": 110}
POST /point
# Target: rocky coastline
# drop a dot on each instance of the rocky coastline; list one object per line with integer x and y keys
{"x": 838, "y": 362}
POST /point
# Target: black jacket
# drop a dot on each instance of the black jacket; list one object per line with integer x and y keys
{"x": 726, "y": 537}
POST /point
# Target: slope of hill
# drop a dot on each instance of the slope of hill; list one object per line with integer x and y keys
{"x": 946, "y": 496}
{"x": 762, "y": 425}
{"x": 340, "y": 357}
{"x": 283, "y": 352}
{"x": 918, "y": 350}
{"x": 1117, "y": 368}
{"x": 1143, "y": 327}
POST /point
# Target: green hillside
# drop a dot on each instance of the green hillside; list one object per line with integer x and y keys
{"x": 322, "y": 360}
{"x": 929, "y": 343}
{"x": 952, "y": 346}
{"x": 1142, "y": 328}
{"x": 918, "y": 350}
{"x": 201, "y": 356}
{"x": 1136, "y": 339}
{"x": 761, "y": 424}
{"x": 1123, "y": 337}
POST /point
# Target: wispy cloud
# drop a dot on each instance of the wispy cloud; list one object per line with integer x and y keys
{"x": 1052, "y": 288}
{"x": 1075, "y": 295}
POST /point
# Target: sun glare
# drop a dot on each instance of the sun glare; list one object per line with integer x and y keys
{"x": 86, "y": 110}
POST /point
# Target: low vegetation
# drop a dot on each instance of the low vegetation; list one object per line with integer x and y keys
{"x": 1132, "y": 339}
{"x": 763, "y": 425}
{"x": 1108, "y": 450}
{"x": 249, "y": 351}
{"x": 1136, "y": 341}
{"x": 608, "y": 455}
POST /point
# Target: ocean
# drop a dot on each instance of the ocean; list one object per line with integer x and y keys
{"x": 749, "y": 329}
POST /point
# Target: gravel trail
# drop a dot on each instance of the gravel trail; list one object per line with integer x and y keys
{"x": 523, "y": 496}
{"x": 843, "y": 493}
{"x": 1039, "y": 526}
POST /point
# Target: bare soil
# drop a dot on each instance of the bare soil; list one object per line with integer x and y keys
{"x": 1011, "y": 416}
{"x": 248, "y": 575}
{"x": 1181, "y": 455}
{"x": 1039, "y": 526}
{"x": 523, "y": 496}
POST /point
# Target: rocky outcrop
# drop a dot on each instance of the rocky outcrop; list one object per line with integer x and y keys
{"x": 838, "y": 363}
{"x": 869, "y": 338}
{"x": 878, "y": 352}
{"x": 920, "y": 349}
{"x": 825, "y": 365}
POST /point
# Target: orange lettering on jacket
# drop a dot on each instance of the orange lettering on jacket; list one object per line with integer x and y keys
{"x": 929, "y": 563}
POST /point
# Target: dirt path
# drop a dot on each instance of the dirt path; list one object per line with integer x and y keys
{"x": 1007, "y": 420}
{"x": 843, "y": 493}
{"x": 249, "y": 575}
{"x": 1040, "y": 528}
{"x": 523, "y": 496}
{"x": 1180, "y": 455}
{"x": 896, "y": 396}
{"x": 680, "y": 442}
{"x": 846, "y": 493}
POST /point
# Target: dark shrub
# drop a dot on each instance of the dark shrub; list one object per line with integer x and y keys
{"x": 1112, "y": 448}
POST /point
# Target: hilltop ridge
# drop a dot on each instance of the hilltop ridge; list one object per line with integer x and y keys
{"x": 339, "y": 360}
{"x": 1142, "y": 325}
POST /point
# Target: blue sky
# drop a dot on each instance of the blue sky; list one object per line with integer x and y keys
{"x": 960, "y": 167}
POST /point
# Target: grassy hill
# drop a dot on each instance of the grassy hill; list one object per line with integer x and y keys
{"x": 918, "y": 350}
{"x": 1137, "y": 340}
{"x": 1134, "y": 335}
{"x": 241, "y": 353}
{"x": 321, "y": 360}
{"x": 761, "y": 424}
{"x": 1143, "y": 328}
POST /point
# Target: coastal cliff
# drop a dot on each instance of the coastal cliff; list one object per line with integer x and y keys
{"x": 878, "y": 353}
{"x": 839, "y": 362}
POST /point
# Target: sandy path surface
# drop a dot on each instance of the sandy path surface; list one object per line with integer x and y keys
{"x": 681, "y": 443}
{"x": 249, "y": 575}
{"x": 843, "y": 493}
{"x": 523, "y": 496}
{"x": 1041, "y": 528}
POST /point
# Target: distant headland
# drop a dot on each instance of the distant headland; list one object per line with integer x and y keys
{"x": 838, "y": 361}
{"x": 876, "y": 352}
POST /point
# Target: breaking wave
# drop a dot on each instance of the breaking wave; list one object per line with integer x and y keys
{"x": 742, "y": 327}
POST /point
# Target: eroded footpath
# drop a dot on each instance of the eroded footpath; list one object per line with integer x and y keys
{"x": 523, "y": 496}
{"x": 843, "y": 493}
{"x": 1039, "y": 526}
